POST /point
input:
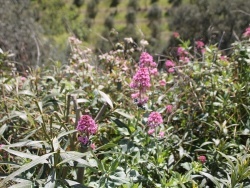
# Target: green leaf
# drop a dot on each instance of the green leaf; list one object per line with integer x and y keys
{"x": 70, "y": 156}
{"x": 25, "y": 167}
{"x": 107, "y": 146}
{"x": 217, "y": 104}
{"x": 24, "y": 184}
{"x": 56, "y": 144}
{"x": 62, "y": 134}
{"x": 122, "y": 113}
{"x": 27, "y": 92}
{"x": 99, "y": 164}
{"x": 51, "y": 183}
{"x": 206, "y": 143}
{"x": 23, "y": 155}
{"x": 82, "y": 100}
{"x": 213, "y": 179}
{"x": 22, "y": 115}
{"x": 114, "y": 164}
{"x": 121, "y": 125}
{"x": 74, "y": 184}
{"x": 106, "y": 98}
{"x": 2, "y": 129}
{"x": 25, "y": 143}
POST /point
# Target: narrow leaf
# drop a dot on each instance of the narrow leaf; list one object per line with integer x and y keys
{"x": 106, "y": 98}
{"x": 213, "y": 179}
{"x": 40, "y": 160}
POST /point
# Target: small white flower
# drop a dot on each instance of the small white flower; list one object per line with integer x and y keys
{"x": 129, "y": 40}
{"x": 144, "y": 42}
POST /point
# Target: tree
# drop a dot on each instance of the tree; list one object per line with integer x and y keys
{"x": 114, "y": 3}
{"x": 154, "y": 16}
{"x": 78, "y": 3}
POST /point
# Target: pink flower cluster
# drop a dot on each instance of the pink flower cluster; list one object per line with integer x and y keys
{"x": 170, "y": 66}
{"x": 183, "y": 55}
{"x": 141, "y": 79}
{"x": 86, "y": 126}
{"x": 247, "y": 32}
{"x": 176, "y": 35}
{"x": 169, "y": 108}
{"x": 200, "y": 46}
{"x": 146, "y": 61}
{"x": 154, "y": 119}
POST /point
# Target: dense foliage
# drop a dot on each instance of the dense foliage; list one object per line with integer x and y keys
{"x": 113, "y": 121}
{"x": 210, "y": 21}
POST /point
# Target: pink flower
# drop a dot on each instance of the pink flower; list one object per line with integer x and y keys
{"x": 84, "y": 140}
{"x": 169, "y": 63}
{"x": 154, "y": 119}
{"x": 93, "y": 146}
{"x": 161, "y": 134}
{"x": 145, "y": 59}
{"x": 169, "y": 108}
{"x": 151, "y": 131}
{"x": 203, "y": 50}
{"x": 141, "y": 79}
{"x": 247, "y": 32}
{"x": 87, "y": 125}
{"x": 142, "y": 100}
{"x": 199, "y": 44}
{"x": 171, "y": 70}
{"x": 135, "y": 95}
{"x": 1, "y": 145}
{"x": 181, "y": 51}
{"x": 154, "y": 71}
{"x": 162, "y": 82}
{"x": 223, "y": 58}
{"x": 176, "y": 35}
{"x": 184, "y": 59}
{"x": 153, "y": 64}
{"x": 202, "y": 159}
{"x": 23, "y": 78}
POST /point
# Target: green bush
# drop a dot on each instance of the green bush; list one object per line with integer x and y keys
{"x": 186, "y": 125}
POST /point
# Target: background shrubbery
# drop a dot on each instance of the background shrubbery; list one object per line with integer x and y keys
{"x": 199, "y": 89}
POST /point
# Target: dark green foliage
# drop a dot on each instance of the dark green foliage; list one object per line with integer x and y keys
{"x": 154, "y": 1}
{"x": 175, "y": 3}
{"x": 109, "y": 22}
{"x": 131, "y": 17}
{"x": 154, "y": 13}
{"x": 114, "y": 3}
{"x": 210, "y": 19}
{"x": 154, "y": 16}
{"x": 92, "y": 9}
{"x": 133, "y": 5}
{"x": 78, "y": 3}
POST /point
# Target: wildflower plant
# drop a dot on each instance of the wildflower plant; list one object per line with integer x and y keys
{"x": 77, "y": 124}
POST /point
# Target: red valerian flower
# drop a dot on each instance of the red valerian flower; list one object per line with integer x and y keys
{"x": 141, "y": 79}
{"x": 169, "y": 108}
{"x": 247, "y": 32}
{"x": 202, "y": 159}
{"x": 154, "y": 119}
{"x": 87, "y": 125}
{"x": 199, "y": 44}
{"x": 176, "y": 35}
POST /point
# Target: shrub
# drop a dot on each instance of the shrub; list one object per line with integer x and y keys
{"x": 128, "y": 124}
